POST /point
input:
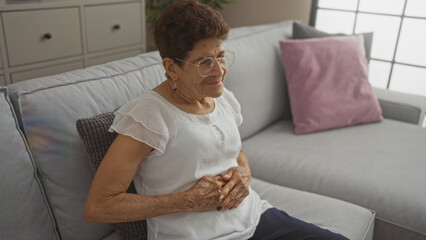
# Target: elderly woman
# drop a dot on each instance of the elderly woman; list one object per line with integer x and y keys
{"x": 180, "y": 145}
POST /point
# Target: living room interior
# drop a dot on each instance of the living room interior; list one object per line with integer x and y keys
{"x": 332, "y": 92}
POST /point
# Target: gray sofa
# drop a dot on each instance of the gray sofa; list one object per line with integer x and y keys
{"x": 357, "y": 181}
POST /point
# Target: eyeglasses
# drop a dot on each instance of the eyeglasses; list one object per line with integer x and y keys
{"x": 206, "y": 65}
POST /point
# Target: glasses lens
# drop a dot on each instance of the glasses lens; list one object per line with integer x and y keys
{"x": 230, "y": 58}
{"x": 206, "y": 65}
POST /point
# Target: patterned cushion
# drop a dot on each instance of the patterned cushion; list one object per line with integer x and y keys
{"x": 97, "y": 139}
{"x": 301, "y": 31}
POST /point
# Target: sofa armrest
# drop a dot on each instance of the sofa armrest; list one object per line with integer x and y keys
{"x": 402, "y": 106}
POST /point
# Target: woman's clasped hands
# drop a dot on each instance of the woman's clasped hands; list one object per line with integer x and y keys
{"x": 220, "y": 192}
{"x": 236, "y": 188}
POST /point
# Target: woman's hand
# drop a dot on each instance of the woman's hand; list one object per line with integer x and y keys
{"x": 204, "y": 195}
{"x": 236, "y": 188}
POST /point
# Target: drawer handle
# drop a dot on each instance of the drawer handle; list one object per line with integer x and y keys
{"x": 116, "y": 27}
{"x": 47, "y": 36}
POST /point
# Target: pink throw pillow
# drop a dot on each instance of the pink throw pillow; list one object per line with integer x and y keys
{"x": 327, "y": 83}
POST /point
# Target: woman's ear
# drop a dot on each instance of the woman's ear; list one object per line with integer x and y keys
{"x": 171, "y": 68}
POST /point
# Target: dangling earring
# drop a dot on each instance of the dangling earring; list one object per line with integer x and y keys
{"x": 174, "y": 85}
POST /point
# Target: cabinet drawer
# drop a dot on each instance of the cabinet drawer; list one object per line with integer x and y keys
{"x": 39, "y": 35}
{"x": 21, "y": 76}
{"x": 111, "y": 26}
{"x": 2, "y": 81}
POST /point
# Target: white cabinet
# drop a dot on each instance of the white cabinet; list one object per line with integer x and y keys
{"x": 112, "y": 26}
{"x": 111, "y": 57}
{"x": 51, "y": 37}
{"x": 40, "y": 72}
{"x": 40, "y": 35}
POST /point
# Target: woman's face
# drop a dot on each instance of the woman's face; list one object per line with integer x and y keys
{"x": 190, "y": 82}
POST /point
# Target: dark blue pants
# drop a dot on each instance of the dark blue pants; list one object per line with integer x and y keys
{"x": 275, "y": 224}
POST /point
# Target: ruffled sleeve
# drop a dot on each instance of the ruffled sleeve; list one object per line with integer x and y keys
{"x": 233, "y": 105}
{"x": 143, "y": 120}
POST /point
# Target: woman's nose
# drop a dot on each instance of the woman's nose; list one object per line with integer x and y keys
{"x": 217, "y": 70}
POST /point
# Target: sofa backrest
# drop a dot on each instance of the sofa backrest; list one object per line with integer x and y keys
{"x": 25, "y": 213}
{"x": 48, "y": 108}
{"x": 257, "y": 78}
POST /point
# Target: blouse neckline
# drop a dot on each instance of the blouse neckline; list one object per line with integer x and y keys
{"x": 208, "y": 118}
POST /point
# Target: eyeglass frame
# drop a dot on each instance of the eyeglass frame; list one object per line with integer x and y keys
{"x": 214, "y": 58}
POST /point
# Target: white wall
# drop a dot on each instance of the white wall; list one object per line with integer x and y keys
{"x": 253, "y": 12}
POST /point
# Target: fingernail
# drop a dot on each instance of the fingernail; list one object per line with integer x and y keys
{"x": 218, "y": 208}
{"x": 221, "y": 198}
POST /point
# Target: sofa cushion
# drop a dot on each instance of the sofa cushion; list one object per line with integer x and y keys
{"x": 48, "y": 108}
{"x": 257, "y": 78}
{"x": 353, "y": 222}
{"x": 301, "y": 31}
{"x": 379, "y": 166}
{"x": 327, "y": 82}
{"x": 25, "y": 212}
{"x": 97, "y": 140}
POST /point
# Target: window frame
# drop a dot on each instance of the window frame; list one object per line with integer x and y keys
{"x": 312, "y": 22}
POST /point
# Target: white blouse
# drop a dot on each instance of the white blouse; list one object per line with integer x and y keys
{"x": 186, "y": 148}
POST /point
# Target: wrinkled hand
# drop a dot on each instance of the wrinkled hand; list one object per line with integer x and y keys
{"x": 236, "y": 188}
{"x": 204, "y": 195}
